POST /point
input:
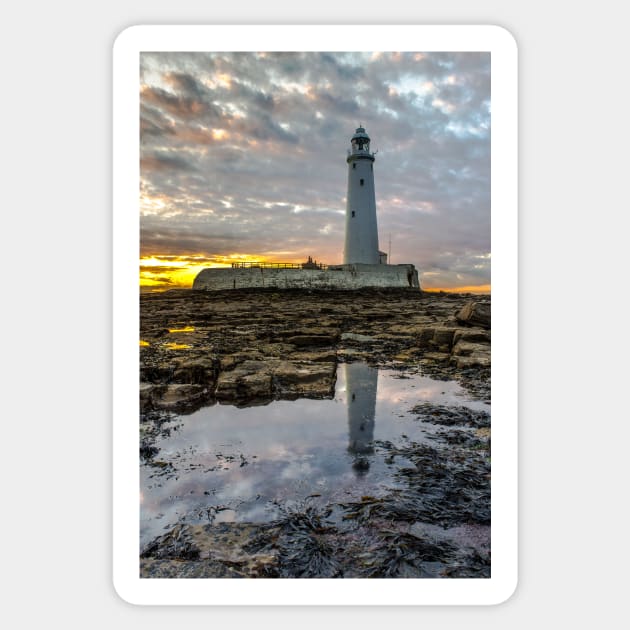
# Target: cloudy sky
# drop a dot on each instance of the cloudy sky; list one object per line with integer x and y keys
{"x": 243, "y": 157}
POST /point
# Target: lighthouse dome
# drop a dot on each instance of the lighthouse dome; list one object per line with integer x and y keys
{"x": 361, "y": 133}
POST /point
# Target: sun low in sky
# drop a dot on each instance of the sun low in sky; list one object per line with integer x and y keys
{"x": 243, "y": 158}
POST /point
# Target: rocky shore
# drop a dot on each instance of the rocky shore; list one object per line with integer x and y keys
{"x": 252, "y": 347}
{"x": 260, "y": 345}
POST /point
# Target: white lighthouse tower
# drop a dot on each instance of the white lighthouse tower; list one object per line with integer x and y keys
{"x": 361, "y": 244}
{"x": 364, "y": 266}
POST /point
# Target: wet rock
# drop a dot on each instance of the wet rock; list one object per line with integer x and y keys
{"x": 198, "y": 371}
{"x": 156, "y": 372}
{"x": 205, "y": 551}
{"x": 255, "y": 346}
{"x": 467, "y": 354}
{"x": 472, "y": 361}
{"x": 406, "y": 356}
{"x": 179, "y": 397}
{"x": 425, "y": 335}
{"x": 258, "y": 380}
{"x": 304, "y": 377}
{"x": 483, "y": 433}
{"x": 176, "y": 544}
{"x": 415, "y": 327}
{"x": 223, "y": 332}
{"x": 281, "y": 350}
{"x": 356, "y": 337}
{"x": 351, "y": 354}
{"x": 475, "y": 314}
{"x": 474, "y": 335}
{"x": 443, "y": 338}
{"x": 169, "y": 569}
{"x": 302, "y": 341}
{"x": 248, "y": 381}
{"x": 146, "y": 395}
{"x": 439, "y": 357}
{"x": 467, "y": 349}
{"x": 322, "y": 356}
{"x": 230, "y": 361}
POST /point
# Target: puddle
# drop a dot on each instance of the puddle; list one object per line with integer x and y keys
{"x": 229, "y": 464}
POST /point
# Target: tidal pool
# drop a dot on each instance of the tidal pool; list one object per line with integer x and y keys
{"x": 225, "y": 463}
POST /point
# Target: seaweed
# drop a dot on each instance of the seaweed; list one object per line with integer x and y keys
{"x": 399, "y": 554}
{"x": 306, "y": 543}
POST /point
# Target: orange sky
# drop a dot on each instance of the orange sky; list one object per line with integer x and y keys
{"x": 170, "y": 272}
{"x": 243, "y": 158}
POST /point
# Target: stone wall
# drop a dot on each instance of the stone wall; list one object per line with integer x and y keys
{"x": 338, "y": 277}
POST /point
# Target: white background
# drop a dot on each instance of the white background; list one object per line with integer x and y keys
{"x": 55, "y": 107}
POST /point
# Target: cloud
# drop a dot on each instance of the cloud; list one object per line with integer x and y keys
{"x": 246, "y": 152}
{"x": 166, "y": 161}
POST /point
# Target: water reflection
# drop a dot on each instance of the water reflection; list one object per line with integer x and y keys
{"x": 229, "y": 463}
{"x": 361, "y": 388}
{"x": 361, "y": 385}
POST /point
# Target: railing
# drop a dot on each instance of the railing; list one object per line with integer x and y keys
{"x": 277, "y": 265}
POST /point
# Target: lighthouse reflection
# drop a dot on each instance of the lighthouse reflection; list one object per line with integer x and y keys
{"x": 361, "y": 385}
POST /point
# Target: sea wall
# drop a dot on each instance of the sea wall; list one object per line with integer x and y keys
{"x": 334, "y": 277}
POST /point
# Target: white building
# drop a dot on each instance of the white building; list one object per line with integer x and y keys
{"x": 361, "y": 245}
{"x": 364, "y": 266}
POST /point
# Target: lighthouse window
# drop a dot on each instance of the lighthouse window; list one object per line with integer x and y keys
{"x": 354, "y": 165}
{"x": 361, "y": 181}
{"x": 353, "y": 213}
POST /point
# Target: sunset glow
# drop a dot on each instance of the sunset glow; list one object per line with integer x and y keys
{"x": 481, "y": 288}
{"x": 243, "y": 159}
{"x": 219, "y": 134}
{"x": 158, "y": 273}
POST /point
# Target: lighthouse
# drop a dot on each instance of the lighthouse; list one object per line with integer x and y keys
{"x": 361, "y": 389}
{"x": 364, "y": 266}
{"x": 361, "y": 244}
